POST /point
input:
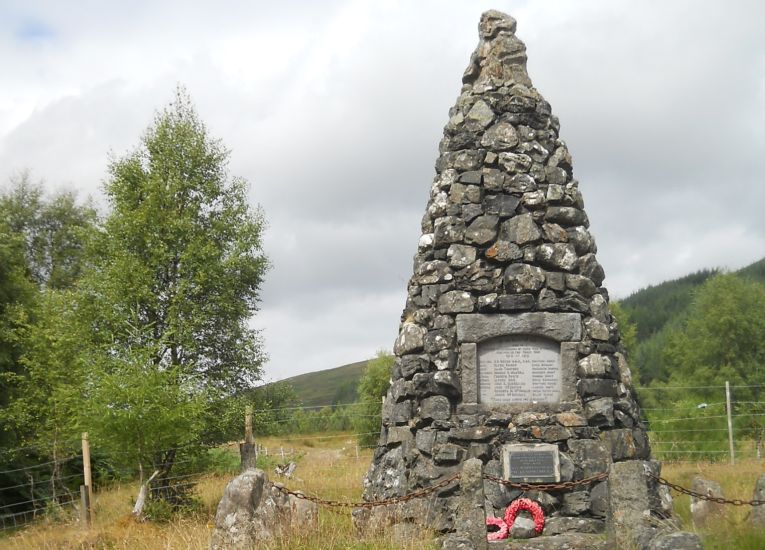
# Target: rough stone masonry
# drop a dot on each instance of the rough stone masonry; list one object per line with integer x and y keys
{"x": 506, "y": 337}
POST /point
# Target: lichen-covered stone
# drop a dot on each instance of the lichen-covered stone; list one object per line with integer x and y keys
{"x": 557, "y": 256}
{"x": 482, "y": 230}
{"x": 597, "y": 330}
{"x": 703, "y": 511}
{"x": 521, "y": 229}
{"x": 456, "y": 301}
{"x": 523, "y": 278}
{"x": 252, "y": 511}
{"x": 411, "y": 339}
{"x": 757, "y": 517}
{"x": 460, "y": 255}
{"x": 590, "y": 455}
{"x": 600, "y": 412}
{"x": 594, "y": 365}
{"x": 435, "y": 408}
{"x": 679, "y": 540}
{"x": 566, "y": 216}
{"x": 504, "y": 251}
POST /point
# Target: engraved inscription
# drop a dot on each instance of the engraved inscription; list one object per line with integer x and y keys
{"x": 532, "y": 464}
{"x": 519, "y": 369}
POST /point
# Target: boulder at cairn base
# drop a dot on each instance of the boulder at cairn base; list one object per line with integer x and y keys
{"x": 253, "y": 511}
{"x": 507, "y": 351}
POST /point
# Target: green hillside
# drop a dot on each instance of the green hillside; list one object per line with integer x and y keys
{"x": 651, "y": 308}
{"x": 655, "y": 306}
{"x": 658, "y": 310}
{"x": 327, "y": 387}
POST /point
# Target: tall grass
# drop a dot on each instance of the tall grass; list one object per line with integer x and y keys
{"x": 326, "y": 467}
{"x": 731, "y": 530}
{"x": 329, "y": 468}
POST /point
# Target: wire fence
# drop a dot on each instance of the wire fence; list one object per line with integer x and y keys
{"x": 683, "y": 426}
{"x": 710, "y": 430}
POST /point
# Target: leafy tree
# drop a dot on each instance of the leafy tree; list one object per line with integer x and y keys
{"x": 627, "y": 328}
{"x": 145, "y": 414}
{"x": 720, "y": 340}
{"x": 17, "y": 294}
{"x": 42, "y": 250}
{"x": 372, "y": 388}
{"x": 723, "y": 336}
{"x": 175, "y": 279}
{"x": 55, "y": 230}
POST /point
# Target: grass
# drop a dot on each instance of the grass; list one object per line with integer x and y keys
{"x": 329, "y": 468}
{"x": 731, "y": 530}
{"x": 326, "y": 467}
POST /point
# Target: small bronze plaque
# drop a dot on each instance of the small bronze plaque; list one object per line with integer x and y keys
{"x": 532, "y": 463}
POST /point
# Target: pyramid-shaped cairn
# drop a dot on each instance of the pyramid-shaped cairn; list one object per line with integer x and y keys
{"x": 506, "y": 344}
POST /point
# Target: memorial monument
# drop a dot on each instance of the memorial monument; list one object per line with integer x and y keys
{"x": 507, "y": 350}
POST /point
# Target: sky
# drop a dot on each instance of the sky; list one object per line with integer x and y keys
{"x": 333, "y": 111}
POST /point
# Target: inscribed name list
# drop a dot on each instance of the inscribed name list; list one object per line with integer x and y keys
{"x": 519, "y": 369}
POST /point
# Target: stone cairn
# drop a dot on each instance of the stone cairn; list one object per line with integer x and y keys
{"x": 506, "y": 340}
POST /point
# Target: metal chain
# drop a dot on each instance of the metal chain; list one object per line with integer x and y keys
{"x": 372, "y": 503}
{"x": 513, "y": 484}
{"x": 443, "y": 483}
{"x": 546, "y": 486}
{"x": 701, "y": 496}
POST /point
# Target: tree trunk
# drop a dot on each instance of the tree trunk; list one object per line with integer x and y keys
{"x": 140, "y": 501}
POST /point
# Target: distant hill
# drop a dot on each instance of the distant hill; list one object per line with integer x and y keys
{"x": 651, "y": 308}
{"x": 327, "y": 387}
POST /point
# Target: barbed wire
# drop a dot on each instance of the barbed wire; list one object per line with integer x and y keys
{"x": 716, "y": 404}
{"x": 57, "y": 461}
{"x": 39, "y": 446}
{"x": 301, "y": 407}
{"x": 40, "y": 481}
{"x": 33, "y": 512}
{"x": 707, "y": 417}
{"x": 689, "y": 430}
{"x": 300, "y": 438}
{"x": 692, "y": 452}
{"x": 661, "y": 388}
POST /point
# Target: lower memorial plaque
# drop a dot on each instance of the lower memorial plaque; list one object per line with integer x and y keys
{"x": 531, "y": 463}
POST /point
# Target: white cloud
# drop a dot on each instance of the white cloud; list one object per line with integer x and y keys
{"x": 333, "y": 111}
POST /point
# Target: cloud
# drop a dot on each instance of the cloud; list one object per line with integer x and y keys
{"x": 333, "y": 112}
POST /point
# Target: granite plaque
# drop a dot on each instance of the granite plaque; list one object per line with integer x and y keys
{"x": 519, "y": 370}
{"x": 531, "y": 463}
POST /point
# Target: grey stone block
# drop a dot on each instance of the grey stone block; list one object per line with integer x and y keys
{"x": 558, "y": 326}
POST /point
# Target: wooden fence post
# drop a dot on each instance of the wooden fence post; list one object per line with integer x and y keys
{"x": 730, "y": 424}
{"x": 248, "y": 451}
{"x": 88, "y": 476}
{"x": 84, "y": 506}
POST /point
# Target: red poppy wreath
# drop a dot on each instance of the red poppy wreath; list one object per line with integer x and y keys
{"x": 525, "y": 504}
